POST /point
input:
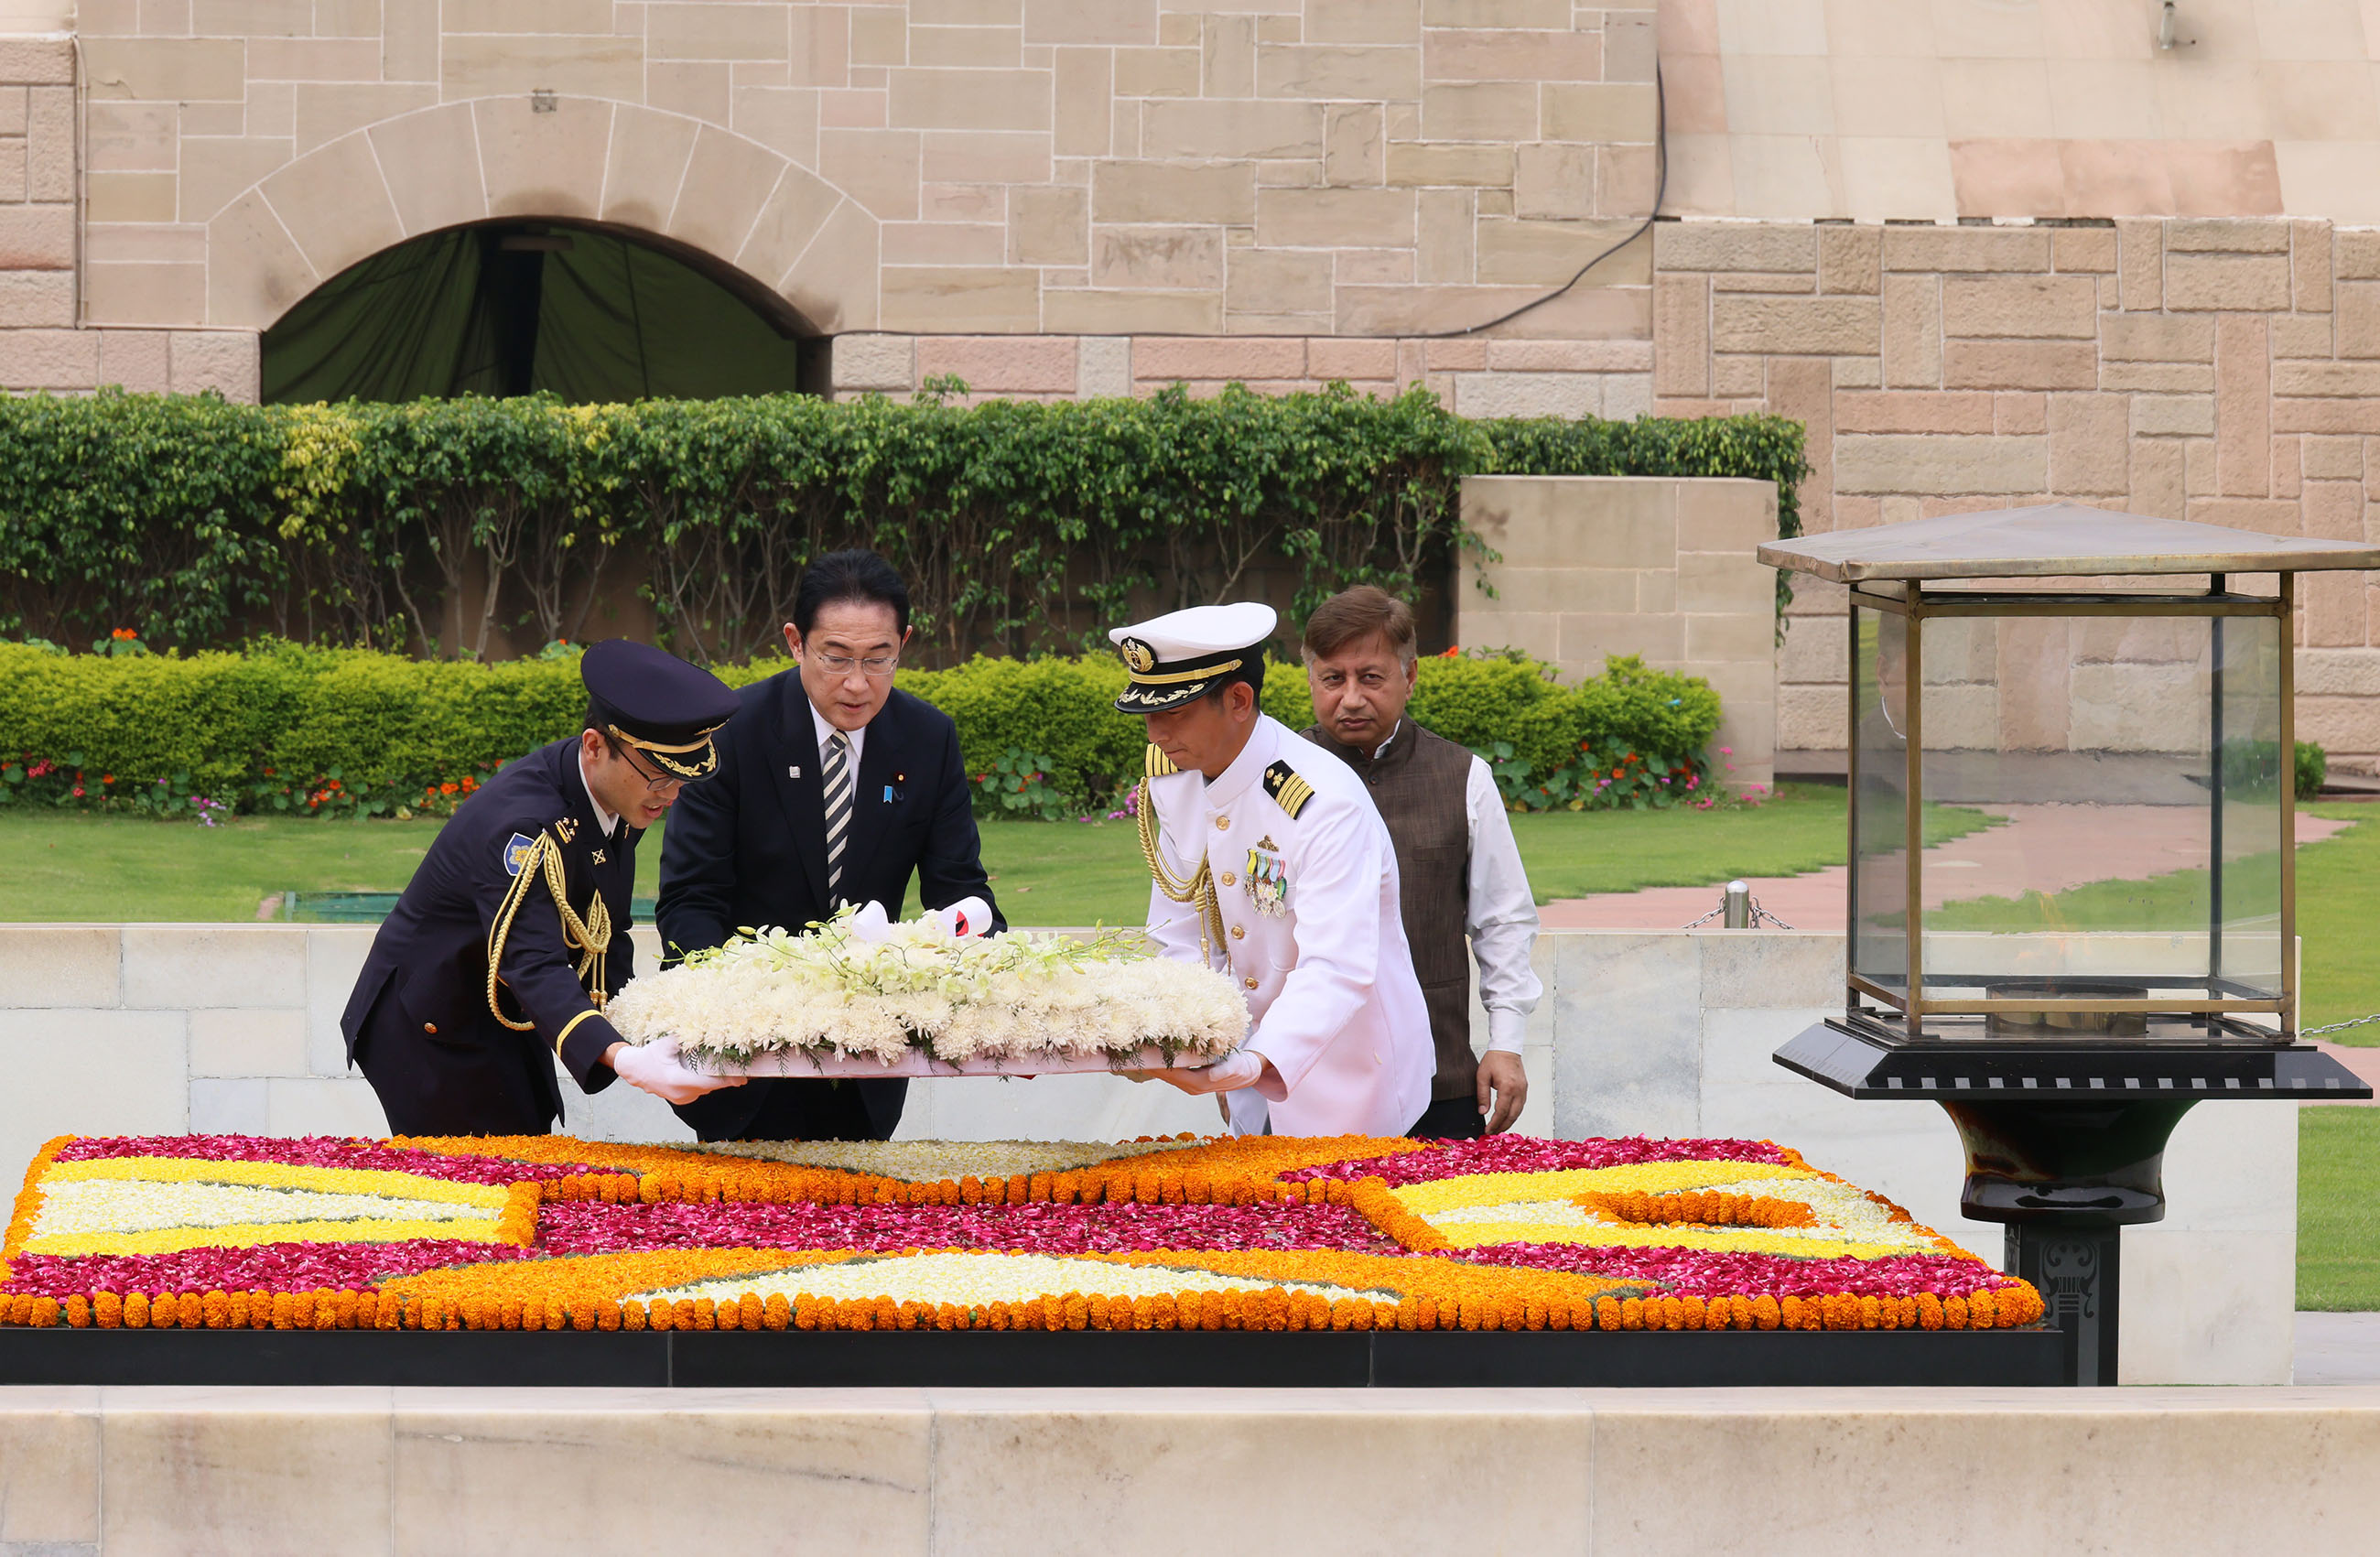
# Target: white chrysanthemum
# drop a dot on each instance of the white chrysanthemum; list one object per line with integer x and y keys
{"x": 996, "y": 998}
{"x": 970, "y": 1278}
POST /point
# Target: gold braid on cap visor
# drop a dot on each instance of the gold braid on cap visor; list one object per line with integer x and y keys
{"x": 665, "y": 755}
{"x": 589, "y": 938}
{"x": 1169, "y": 678}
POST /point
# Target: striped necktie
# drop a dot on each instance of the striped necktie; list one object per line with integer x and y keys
{"x": 838, "y": 810}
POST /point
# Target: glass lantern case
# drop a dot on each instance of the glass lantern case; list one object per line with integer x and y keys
{"x": 2072, "y": 775}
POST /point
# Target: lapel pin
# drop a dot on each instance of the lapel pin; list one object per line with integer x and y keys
{"x": 794, "y": 772}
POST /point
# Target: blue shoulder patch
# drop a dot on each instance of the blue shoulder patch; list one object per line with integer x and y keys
{"x": 516, "y": 854}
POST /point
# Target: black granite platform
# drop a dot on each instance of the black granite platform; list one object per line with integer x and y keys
{"x": 916, "y": 1359}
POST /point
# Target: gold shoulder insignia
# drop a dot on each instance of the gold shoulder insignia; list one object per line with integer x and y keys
{"x": 567, "y": 829}
{"x": 1289, "y": 792}
{"x": 1157, "y": 765}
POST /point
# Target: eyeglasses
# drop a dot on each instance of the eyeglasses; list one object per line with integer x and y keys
{"x": 875, "y": 665}
{"x": 653, "y": 785}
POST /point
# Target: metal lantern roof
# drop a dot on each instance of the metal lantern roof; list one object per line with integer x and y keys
{"x": 2053, "y": 541}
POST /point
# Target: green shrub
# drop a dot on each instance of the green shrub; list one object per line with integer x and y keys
{"x": 191, "y": 523}
{"x": 2313, "y": 766}
{"x": 355, "y": 731}
{"x": 2251, "y": 769}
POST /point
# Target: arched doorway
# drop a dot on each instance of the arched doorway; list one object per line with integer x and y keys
{"x": 592, "y": 313}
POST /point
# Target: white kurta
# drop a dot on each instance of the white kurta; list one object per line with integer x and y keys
{"x": 1329, "y": 979}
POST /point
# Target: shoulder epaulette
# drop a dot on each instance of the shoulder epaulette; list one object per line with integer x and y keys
{"x": 1288, "y": 790}
{"x": 1157, "y": 765}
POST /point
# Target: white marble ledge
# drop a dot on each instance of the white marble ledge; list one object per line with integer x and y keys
{"x": 348, "y": 1400}
{"x": 1056, "y": 1472}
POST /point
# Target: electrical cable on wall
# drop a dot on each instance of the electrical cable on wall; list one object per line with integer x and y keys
{"x": 1661, "y": 189}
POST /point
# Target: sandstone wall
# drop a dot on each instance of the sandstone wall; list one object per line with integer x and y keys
{"x": 1362, "y": 167}
{"x": 43, "y": 253}
{"x": 1923, "y": 109}
{"x": 1590, "y": 567}
{"x": 2220, "y": 370}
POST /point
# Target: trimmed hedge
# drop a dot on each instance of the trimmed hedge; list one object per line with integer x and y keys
{"x": 350, "y": 731}
{"x": 1023, "y": 527}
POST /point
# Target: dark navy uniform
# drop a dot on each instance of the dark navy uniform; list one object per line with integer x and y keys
{"x": 448, "y": 1059}
{"x": 513, "y": 931}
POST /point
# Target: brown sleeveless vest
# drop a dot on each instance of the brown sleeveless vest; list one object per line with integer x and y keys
{"x": 1418, "y": 784}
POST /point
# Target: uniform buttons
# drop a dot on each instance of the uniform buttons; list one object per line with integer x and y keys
{"x": 1238, "y": 933}
{"x": 1222, "y": 823}
{"x": 429, "y": 1028}
{"x": 1249, "y": 982}
{"x": 1229, "y": 878}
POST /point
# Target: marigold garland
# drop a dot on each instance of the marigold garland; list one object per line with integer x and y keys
{"x": 1713, "y": 1208}
{"x": 1434, "y": 1202}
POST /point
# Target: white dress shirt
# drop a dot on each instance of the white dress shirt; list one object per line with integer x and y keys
{"x": 1329, "y": 980}
{"x": 826, "y": 732}
{"x": 1501, "y": 915}
{"x": 608, "y": 821}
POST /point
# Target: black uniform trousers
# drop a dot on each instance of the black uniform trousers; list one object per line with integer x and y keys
{"x": 440, "y": 1087}
{"x": 1451, "y": 1119}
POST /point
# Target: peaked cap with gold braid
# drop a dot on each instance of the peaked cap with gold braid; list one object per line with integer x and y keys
{"x": 654, "y": 701}
{"x": 1177, "y": 657}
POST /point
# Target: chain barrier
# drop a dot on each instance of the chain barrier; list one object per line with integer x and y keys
{"x": 2339, "y": 1026}
{"x": 1738, "y": 909}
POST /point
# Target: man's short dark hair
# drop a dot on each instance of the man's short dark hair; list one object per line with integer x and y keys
{"x": 1352, "y": 616}
{"x": 859, "y": 575}
{"x": 1251, "y": 671}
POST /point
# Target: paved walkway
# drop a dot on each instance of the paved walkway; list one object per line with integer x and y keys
{"x": 2338, "y": 1349}
{"x": 2041, "y": 848}
{"x": 2365, "y": 1062}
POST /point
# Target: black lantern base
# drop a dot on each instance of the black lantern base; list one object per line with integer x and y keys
{"x": 2077, "y": 1271}
{"x": 2066, "y": 1141}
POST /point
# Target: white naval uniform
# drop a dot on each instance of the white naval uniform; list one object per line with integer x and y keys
{"x": 1330, "y": 981}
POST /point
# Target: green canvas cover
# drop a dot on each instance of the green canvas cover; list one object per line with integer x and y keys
{"x": 593, "y": 316}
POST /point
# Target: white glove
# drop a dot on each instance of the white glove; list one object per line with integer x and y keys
{"x": 968, "y": 916}
{"x": 1241, "y": 1067}
{"x": 871, "y": 924}
{"x": 655, "y": 1067}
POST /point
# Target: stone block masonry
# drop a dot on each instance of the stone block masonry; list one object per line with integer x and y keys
{"x": 1478, "y": 377}
{"x": 48, "y": 272}
{"x": 2220, "y": 369}
{"x": 1590, "y": 567}
{"x": 986, "y": 167}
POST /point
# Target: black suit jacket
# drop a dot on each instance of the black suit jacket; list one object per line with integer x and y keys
{"x": 747, "y": 849}
{"x": 430, "y": 956}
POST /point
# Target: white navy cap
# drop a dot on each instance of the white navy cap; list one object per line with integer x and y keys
{"x": 1178, "y": 657}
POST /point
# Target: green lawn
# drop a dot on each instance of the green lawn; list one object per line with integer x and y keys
{"x": 2338, "y": 1220}
{"x": 2338, "y": 898}
{"x": 2339, "y": 901}
{"x": 1801, "y": 828}
{"x": 60, "y": 865}
{"x": 66, "y": 866}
